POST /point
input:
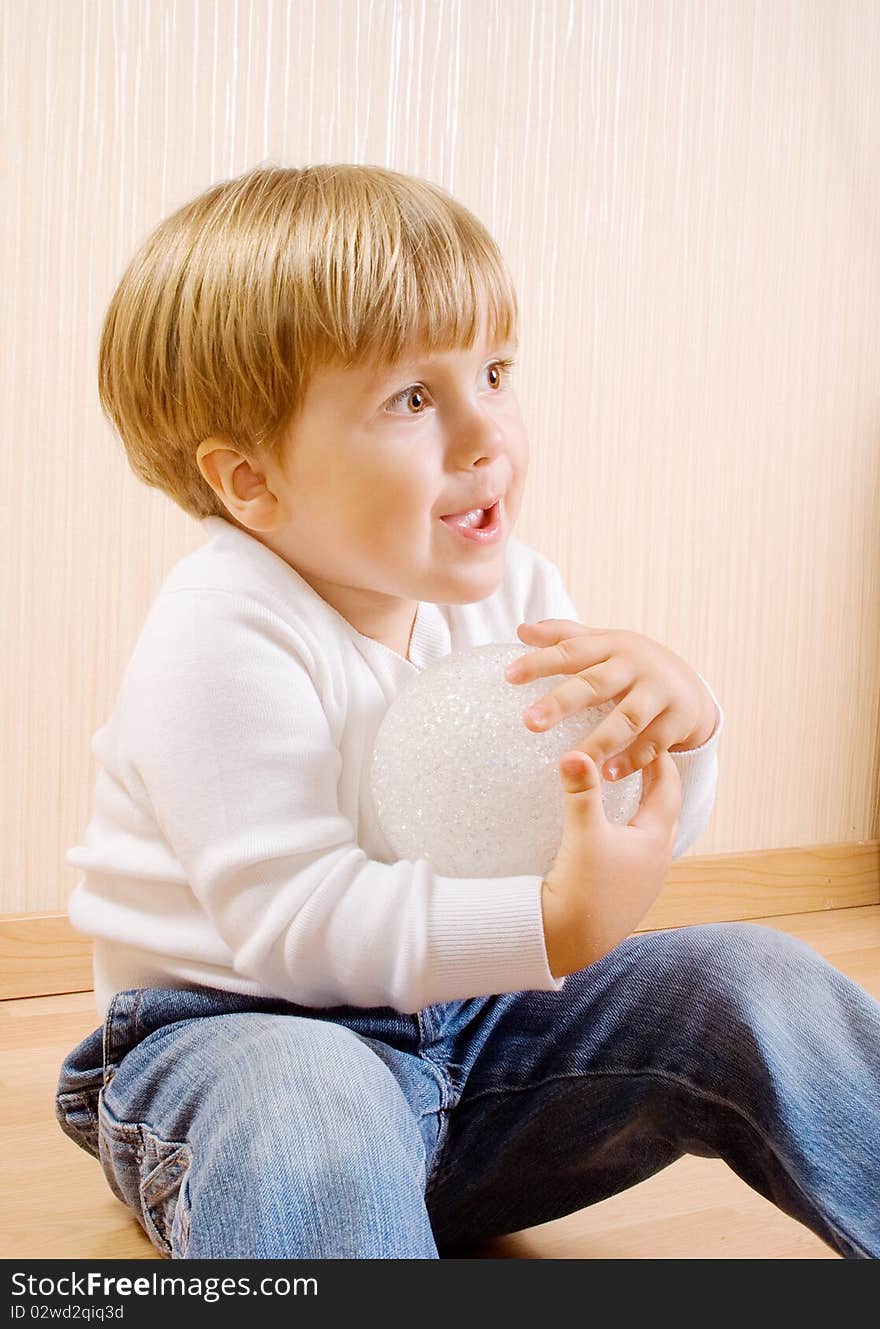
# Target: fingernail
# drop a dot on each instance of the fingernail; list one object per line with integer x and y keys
{"x": 537, "y": 714}
{"x": 613, "y": 772}
{"x": 512, "y": 672}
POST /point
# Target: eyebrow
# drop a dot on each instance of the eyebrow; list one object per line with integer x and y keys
{"x": 419, "y": 365}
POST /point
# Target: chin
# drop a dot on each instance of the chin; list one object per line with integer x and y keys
{"x": 469, "y": 588}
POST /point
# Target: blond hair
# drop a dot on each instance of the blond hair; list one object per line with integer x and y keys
{"x": 236, "y": 298}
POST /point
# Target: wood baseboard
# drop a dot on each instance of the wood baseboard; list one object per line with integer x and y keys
{"x": 761, "y": 883}
{"x": 41, "y": 954}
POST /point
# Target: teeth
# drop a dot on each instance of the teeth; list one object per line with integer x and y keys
{"x": 473, "y": 517}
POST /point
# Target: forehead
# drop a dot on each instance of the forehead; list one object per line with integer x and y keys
{"x": 416, "y": 359}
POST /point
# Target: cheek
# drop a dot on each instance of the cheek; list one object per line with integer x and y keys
{"x": 519, "y": 453}
{"x": 390, "y": 505}
{"x": 517, "y": 438}
{"x": 409, "y": 489}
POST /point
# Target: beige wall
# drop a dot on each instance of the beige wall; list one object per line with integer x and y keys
{"x": 688, "y": 196}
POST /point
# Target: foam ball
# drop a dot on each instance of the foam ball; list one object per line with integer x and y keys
{"x": 457, "y": 778}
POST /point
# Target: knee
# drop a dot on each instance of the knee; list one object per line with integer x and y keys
{"x": 310, "y": 1101}
{"x": 314, "y": 1150}
{"x": 743, "y": 967}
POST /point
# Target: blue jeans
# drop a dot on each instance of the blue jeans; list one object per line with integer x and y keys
{"x": 239, "y": 1127}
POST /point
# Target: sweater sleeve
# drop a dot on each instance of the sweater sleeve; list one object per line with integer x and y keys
{"x": 698, "y": 768}
{"x": 230, "y": 747}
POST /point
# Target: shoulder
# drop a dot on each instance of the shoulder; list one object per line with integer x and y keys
{"x": 234, "y": 563}
{"x": 233, "y": 589}
{"x": 219, "y": 677}
{"x": 232, "y": 617}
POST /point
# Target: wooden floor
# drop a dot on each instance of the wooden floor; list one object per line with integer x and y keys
{"x": 55, "y": 1203}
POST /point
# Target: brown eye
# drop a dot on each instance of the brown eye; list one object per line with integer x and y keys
{"x": 416, "y": 400}
{"x": 493, "y": 369}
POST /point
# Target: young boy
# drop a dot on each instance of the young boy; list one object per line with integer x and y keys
{"x": 308, "y": 1048}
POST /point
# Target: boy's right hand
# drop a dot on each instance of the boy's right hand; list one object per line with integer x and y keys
{"x": 606, "y": 876}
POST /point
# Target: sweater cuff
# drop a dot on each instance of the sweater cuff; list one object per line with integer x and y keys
{"x": 697, "y": 767}
{"x": 712, "y": 740}
{"x": 486, "y": 936}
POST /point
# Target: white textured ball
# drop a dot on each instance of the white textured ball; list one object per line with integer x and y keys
{"x": 457, "y": 778}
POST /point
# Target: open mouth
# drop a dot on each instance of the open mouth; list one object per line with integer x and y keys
{"x": 480, "y": 524}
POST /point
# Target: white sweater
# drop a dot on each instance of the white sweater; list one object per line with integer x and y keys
{"x": 233, "y": 841}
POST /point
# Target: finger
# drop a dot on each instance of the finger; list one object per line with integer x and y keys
{"x": 577, "y": 663}
{"x": 660, "y": 807}
{"x": 552, "y": 629}
{"x": 567, "y": 656}
{"x": 583, "y": 790}
{"x": 576, "y": 694}
{"x": 658, "y": 737}
{"x": 630, "y": 717}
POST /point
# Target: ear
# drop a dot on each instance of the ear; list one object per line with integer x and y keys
{"x": 238, "y": 482}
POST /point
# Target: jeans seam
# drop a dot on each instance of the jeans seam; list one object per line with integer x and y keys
{"x": 442, "y": 1134}
{"x": 701, "y": 1093}
{"x": 427, "y": 1029}
{"x": 442, "y": 1112}
{"x": 109, "y": 1047}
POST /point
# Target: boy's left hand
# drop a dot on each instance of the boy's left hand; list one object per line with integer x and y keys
{"x": 663, "y": 706}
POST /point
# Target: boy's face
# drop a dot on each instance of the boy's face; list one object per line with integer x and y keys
{"x": 372, "y": 463}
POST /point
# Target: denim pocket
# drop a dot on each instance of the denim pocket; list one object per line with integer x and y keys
{"x": 149, "y": 1174}
{"x": 164, "y": 1170}
{"x": 76, "y": 1094}
{"x": 77, "y": 1115}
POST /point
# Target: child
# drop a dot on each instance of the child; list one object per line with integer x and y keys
{"x": 308, "y": 1048}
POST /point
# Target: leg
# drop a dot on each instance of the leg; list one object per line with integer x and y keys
{"x": 262, "y": 1135}
{"x": 727, "y": 1040}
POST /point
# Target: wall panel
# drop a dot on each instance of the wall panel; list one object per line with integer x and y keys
{"x": 687, "y": 195}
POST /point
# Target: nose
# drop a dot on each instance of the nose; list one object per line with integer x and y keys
{"x": 479, "y": 436}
